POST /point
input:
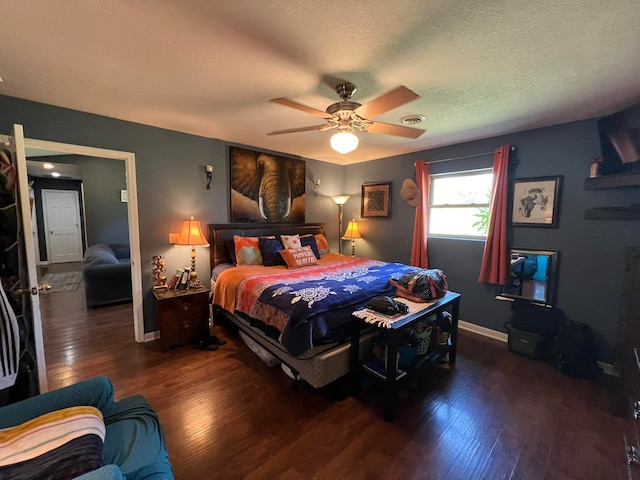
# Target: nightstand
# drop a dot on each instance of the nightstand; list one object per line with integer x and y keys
{"x": 183, "y": 316}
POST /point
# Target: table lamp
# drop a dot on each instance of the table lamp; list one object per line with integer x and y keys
{"x": 192, "y": 236}
{"x": 351, "y": 234}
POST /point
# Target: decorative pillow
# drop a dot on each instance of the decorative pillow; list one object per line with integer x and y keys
{"x": 247, "y": 250}
{"x": 64, "y": 444}
{"x": 270, "y": 249}
{"x": 299, "y": 257}
{"x": 323, "y": 245}
{"x": 310, "y": 241}
{"x": 290, "y": 241}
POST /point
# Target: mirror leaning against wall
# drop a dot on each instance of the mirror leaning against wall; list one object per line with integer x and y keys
{"x": 534, "y": 275}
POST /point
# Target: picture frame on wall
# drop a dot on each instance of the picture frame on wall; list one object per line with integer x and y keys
{"x": 266, "y": 187}
{"x": 376, "y": 200}
{"x": 536, "y": 201}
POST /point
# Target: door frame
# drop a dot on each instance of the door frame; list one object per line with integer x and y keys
{"x": 45, "y": 219}
{"x": 132, "y": 208}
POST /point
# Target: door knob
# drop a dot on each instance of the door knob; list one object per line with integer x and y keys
{"x": 34, "y": 290}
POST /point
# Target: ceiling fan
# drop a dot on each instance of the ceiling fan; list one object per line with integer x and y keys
{"x": 348, "y": 116}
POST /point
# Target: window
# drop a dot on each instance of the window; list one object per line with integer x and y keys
{"x": 459, "y": 203}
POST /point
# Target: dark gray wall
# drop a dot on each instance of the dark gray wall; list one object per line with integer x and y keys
{"x": 171, "y": 187}
{"x": 592, "y": 252}
{"x": 106, "y": 215}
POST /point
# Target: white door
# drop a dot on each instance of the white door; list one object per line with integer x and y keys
{"x": 62, "y": 225}
{"x": 30, "y": 283}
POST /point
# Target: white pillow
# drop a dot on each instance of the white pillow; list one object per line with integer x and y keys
{"x": 290, "y": 241}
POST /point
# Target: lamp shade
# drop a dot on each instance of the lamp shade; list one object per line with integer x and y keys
{"x": 340, "y": 199}
{"x": 352, "y": 231}
{"x": 192, "y": 234}
{"x": 344, "y": 142}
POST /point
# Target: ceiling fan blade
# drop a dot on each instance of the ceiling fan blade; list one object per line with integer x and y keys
{"x": 385, "y": 102}
{"x": 397, "y": 130}
{"x": 298, "y": 106}
{"x": 320, "y": 128}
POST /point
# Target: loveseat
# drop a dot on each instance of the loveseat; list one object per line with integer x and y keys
{"x": 133, "y": 448}
{"x": 106, "y": 271}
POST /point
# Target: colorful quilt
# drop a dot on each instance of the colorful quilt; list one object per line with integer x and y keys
{"x": 312, "y": 305}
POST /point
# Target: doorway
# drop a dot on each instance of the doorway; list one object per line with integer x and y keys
{"x": 22, "y": 145}
{"x": 61, "y": 215}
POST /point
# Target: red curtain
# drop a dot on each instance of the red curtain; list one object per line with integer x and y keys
{"x": 419, "y": 247}
{"x": 495, "y": 262}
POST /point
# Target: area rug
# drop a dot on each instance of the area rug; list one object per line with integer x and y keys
{"x": 61, "y": 282}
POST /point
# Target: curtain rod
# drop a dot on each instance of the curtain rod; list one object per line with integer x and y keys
{"x": 513, "y": 149}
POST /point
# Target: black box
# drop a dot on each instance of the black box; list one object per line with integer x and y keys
{"x": 544, "y": 321}
{"x": 528, "y": 344}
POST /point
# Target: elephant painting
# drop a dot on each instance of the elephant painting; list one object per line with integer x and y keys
{"x": 266, "y": 188}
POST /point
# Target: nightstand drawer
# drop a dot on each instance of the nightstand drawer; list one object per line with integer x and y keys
{"x": 182, "y": 317}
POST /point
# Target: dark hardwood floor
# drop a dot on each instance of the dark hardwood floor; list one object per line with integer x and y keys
{"x": 226, "y": 415}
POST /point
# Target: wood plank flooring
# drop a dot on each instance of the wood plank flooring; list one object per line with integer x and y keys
{"x": 226, "y": 415}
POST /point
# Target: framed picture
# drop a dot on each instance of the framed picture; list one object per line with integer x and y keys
{"x": 376, "y": 200}
{"x": 266, "y": 187}
{"x": 536, "y": 202}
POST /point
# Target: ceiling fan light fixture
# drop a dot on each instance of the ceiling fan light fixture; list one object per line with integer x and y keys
{"x": 344, "y": 142}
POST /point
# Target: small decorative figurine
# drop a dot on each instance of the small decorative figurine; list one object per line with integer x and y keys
{"x": 159, "y": 269}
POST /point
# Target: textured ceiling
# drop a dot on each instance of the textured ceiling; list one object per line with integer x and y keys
{"x": 482, "y": 68}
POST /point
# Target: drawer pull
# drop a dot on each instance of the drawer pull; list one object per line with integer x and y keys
{"x": 186, "y": 306}
{"x": 636, "y": 409}
{"x": 632, "y": 455}
{"x": 186, "y": 324}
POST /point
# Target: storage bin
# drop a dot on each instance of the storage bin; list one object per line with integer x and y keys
{"x": 528, "y": 344}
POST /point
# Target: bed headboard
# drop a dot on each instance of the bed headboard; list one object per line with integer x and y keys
{"x": 219, "y": 233}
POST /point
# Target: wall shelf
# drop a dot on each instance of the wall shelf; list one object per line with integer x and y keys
{"x": 613, "y": 213}
{"x": 613, "y": 181}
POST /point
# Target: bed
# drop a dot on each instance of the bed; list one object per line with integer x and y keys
{"x": 302, "y": 315}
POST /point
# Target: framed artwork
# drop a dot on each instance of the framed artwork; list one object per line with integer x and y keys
{"x": 536, "y": 202}
{"x": 266, "y": 187}
{"x": 376, "y": 200}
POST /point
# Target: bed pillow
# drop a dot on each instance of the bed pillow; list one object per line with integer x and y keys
{"x": 323, "y": 245}
{"x": 310, "y": 241}
{"x": 247, "y": 250}
{"x": 299, "y": 257}
{"x": 231, "y": 250}
{"x": 68, "y": 442}
{"x": 270, "y": 250}
{"x": 290, "y": 241}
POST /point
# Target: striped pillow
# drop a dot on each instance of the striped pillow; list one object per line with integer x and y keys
{"x": 59, "y": 445}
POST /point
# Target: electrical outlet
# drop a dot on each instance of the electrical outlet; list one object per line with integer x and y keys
{"x": 173, "y": 237}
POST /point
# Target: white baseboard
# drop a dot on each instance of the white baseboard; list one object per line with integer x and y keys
{"x": 607, "y": 368}
{"x": 484, "y": 331}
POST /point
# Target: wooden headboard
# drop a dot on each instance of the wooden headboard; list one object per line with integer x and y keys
{"x": 219, "y": 233}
